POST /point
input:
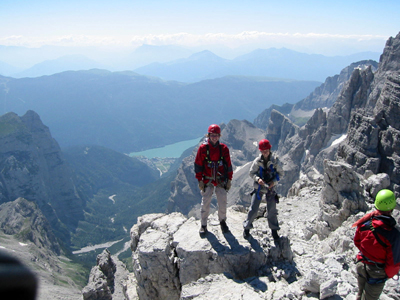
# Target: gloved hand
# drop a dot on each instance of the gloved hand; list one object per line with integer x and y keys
{"x": 201, "y": 185}
{"x": 228, "y": 185}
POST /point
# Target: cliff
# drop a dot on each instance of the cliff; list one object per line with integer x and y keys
{"x": 324, "y": 96}
{"x": 32, "y": 166}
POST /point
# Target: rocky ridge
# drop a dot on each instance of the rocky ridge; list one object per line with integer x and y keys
{"x": 348, "y": 131}
{"x": 323, "y": 96}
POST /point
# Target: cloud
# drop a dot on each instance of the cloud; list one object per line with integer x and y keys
{"x": 190, "y": 40}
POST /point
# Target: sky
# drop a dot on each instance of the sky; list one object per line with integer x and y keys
{"x": 325, "y": 27}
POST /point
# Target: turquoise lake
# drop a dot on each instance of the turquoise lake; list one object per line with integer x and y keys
{"x": 173, "y": 150}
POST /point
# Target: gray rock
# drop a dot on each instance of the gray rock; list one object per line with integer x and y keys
{"x": 218, "y": 286}
{"x": 166, "y": 260}
{"x": 107, "y": 280}
{"x": 32, "y": 166}
{"x": 328, "y": 288}
{"x": 23, "y": 218}
{"x": 327, "y": 94}
{"x": 343, "y": 195}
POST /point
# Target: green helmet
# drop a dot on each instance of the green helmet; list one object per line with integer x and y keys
{"x": 385, "y": 200}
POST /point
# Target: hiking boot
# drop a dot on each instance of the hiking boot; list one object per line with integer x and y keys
{"x": 275, "y": 235}
{"x": 224, "y": 227}
{"x": 246, "y": 233}
{"x": 203, "y": 229}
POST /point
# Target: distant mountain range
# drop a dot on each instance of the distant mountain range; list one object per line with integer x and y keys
{"x": 176, "y": 63}
{"x": 128, "y": 112}
{"x": 281, "y": 63}
{"x": 61, "y": 64}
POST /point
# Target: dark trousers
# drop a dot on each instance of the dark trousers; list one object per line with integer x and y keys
{"x": 368, "y": 291}
{"x": 272, "y": 212}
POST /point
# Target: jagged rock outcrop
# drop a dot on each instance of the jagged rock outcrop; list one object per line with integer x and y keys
{"x": 305, "y": 150}
{"x": 322, "y": 97}
{"x": 106, "y": 279}
{"x": 343, "y": 195}
{"x": 389, "y": 64}
{"x": 168, "y": 252}
{"x": 372, "y": 142}
{"x": 242, "y": 139}
{"x": 32, "y": 166}
{"x": 23, "y": 218}
{"x": 326, "y": 94}
{"x": 262, "y": 120}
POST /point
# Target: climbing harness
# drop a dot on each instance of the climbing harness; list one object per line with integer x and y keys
{"x": 214, "y": 166}
{"x": 267, "y": 177}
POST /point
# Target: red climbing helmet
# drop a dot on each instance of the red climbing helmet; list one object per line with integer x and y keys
{"x": 214, "y": 128}
{"x": 264, "y": 145}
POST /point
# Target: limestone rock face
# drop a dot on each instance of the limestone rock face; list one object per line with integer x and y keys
{"x": 23, "y": 218}
{"x": 106, "y": 279}
{"x": 32, "y": 166}
{"x": 349, "y": 131}
{"x": 170, "y": 253}
{"x": 388, "y": 65}
{"x": 326, "y": 94}
{"x": 343, "y": 195}
{"x": 372, "y": 142}
{"x": 323, "y": 96}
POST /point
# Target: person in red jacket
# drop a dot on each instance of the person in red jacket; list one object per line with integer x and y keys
{"x": 378, "y": 240}
{"x": 214, "y": 172}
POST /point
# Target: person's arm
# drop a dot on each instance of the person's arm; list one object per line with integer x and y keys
{"x": 199, "y": 164}
{"x": 357, "y": 238}
{"x": 227, "y": 158}
{"x": 254, "y": 172}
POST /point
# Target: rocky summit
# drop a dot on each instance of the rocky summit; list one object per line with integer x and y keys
{"x": 312, "y": 260}
{"x": 333, "y": 167}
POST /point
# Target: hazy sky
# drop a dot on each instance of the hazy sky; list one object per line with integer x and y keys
{"x": 327, "y": 27}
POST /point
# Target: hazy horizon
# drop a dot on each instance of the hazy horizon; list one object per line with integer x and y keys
{"x": 336, "y": 28}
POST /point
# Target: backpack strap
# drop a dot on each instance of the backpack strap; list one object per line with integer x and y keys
{"x": 368, "y": 226}
{"x": 208, "y": 154}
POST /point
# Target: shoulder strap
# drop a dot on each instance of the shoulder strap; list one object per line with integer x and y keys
{"x": 208, "y": 153}
{"x": 220, "y": 152}
{"x": 368, "y": 226}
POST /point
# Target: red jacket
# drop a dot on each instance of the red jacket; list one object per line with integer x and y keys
{"x": 371, "y": 242}
{"x": 213, "y": 169}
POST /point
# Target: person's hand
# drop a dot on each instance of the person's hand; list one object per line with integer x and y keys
{"x": 271, "y": 184}
{"x": 201, "y": 185}
{"x": 261, "y": 182}
{"x": 228, "y": 185}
